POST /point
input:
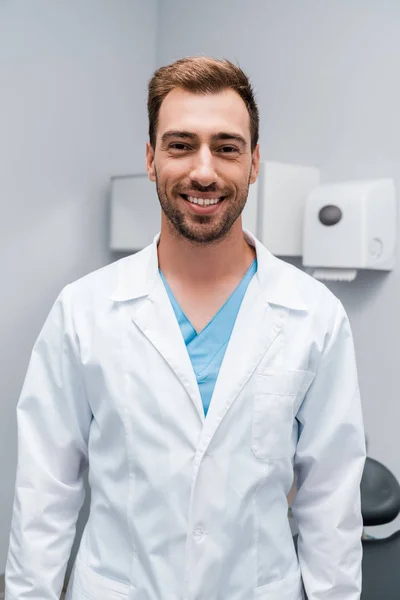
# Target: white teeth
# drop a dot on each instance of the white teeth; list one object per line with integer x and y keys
{"x": 203, "y": 201}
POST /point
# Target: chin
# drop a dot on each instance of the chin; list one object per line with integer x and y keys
{"x": 203, "y": 236}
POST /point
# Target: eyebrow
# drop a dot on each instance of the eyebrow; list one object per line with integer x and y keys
{"x": 216, "y": 137}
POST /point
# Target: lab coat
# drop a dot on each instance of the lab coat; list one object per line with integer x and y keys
{"x": 183, "y": 506}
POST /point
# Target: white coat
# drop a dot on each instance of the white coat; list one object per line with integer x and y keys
{"x": 185, "y": 507}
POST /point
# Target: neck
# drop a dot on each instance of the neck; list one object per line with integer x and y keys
{"x": 204, "y": 263}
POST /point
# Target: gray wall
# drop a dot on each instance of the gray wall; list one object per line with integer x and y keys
{"x": 327, "y": 81}
{"x": 73, "y": 80}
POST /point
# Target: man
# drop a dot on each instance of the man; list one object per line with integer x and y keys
{"x": 194, "y": 378}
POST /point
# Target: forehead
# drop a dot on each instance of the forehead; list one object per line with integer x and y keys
{"x": 204, "y": 114}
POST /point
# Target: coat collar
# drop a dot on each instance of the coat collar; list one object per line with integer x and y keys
{"x": 138, "y": 274}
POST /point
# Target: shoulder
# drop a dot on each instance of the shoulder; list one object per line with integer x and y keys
{"x": 100, "y": 286}
{"x": 316, "y": 295}
{"x": 296, "y": 290}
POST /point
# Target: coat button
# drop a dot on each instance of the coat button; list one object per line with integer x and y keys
{"x": 198, "y": 535}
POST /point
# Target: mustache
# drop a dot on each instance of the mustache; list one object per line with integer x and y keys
{"x": 196, "y": 187}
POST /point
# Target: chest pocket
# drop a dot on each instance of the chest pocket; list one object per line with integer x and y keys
{"x": 276, "y": 399}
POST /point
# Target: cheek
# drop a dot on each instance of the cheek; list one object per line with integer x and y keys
{"x": 172, "y": 175}
{"x": 236, "y": 172}
{"x": 240, "y": 182}
{"x": 170, "y": 169}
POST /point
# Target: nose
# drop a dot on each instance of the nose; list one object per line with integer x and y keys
{"x": 203, "y": 167}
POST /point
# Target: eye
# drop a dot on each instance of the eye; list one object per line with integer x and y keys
{"x": 228, "y": 150}
{"x": 179, "y": 146}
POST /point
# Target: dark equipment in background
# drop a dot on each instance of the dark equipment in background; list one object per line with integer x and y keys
{"x": 380, "y": 504}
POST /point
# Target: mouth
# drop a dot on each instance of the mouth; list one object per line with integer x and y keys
{"x": 203, "y": 203}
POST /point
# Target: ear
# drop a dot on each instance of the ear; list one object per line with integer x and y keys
{"x": 255, "y": 164}
{"x": 150, "y": 167}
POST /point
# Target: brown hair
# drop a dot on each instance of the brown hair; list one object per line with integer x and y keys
{"x": 200, "y": 75}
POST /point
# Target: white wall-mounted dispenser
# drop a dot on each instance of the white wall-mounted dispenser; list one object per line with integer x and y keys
{"x": 350, "y": 226}
{"x": 134, "y": 212}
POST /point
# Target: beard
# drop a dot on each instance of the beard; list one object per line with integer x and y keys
{"x": 202, "y": 229}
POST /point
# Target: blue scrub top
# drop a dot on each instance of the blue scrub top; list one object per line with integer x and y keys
{"x": 207, "y": 348}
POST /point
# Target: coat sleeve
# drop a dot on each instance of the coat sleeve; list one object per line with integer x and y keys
{"x": 53, "y": 418}
{"x": 329, "y": 462}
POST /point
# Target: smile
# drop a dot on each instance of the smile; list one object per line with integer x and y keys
{"x": 202, "y": 201}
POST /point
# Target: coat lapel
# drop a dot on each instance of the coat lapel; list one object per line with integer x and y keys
{"x": 142, "y": 293}
{"x": 257, "y": 327}
{"x": 269, "y": 298}
{"x": 157, "y": 321}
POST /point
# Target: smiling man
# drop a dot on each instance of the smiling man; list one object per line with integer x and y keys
{"x": 195, "y": 379}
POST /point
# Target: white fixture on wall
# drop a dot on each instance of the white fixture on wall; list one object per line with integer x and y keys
{"x": 337, "y": 228}
{"x": 283, "y": 191}
{"x": 350, "y": 226}
{"x": 134, "y": 213}
{"x": 251, "y": 210}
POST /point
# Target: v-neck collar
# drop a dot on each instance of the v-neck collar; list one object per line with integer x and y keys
{"x": 180, "y": 313}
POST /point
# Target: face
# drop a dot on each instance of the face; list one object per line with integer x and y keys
{"x": 202, "y": 163}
